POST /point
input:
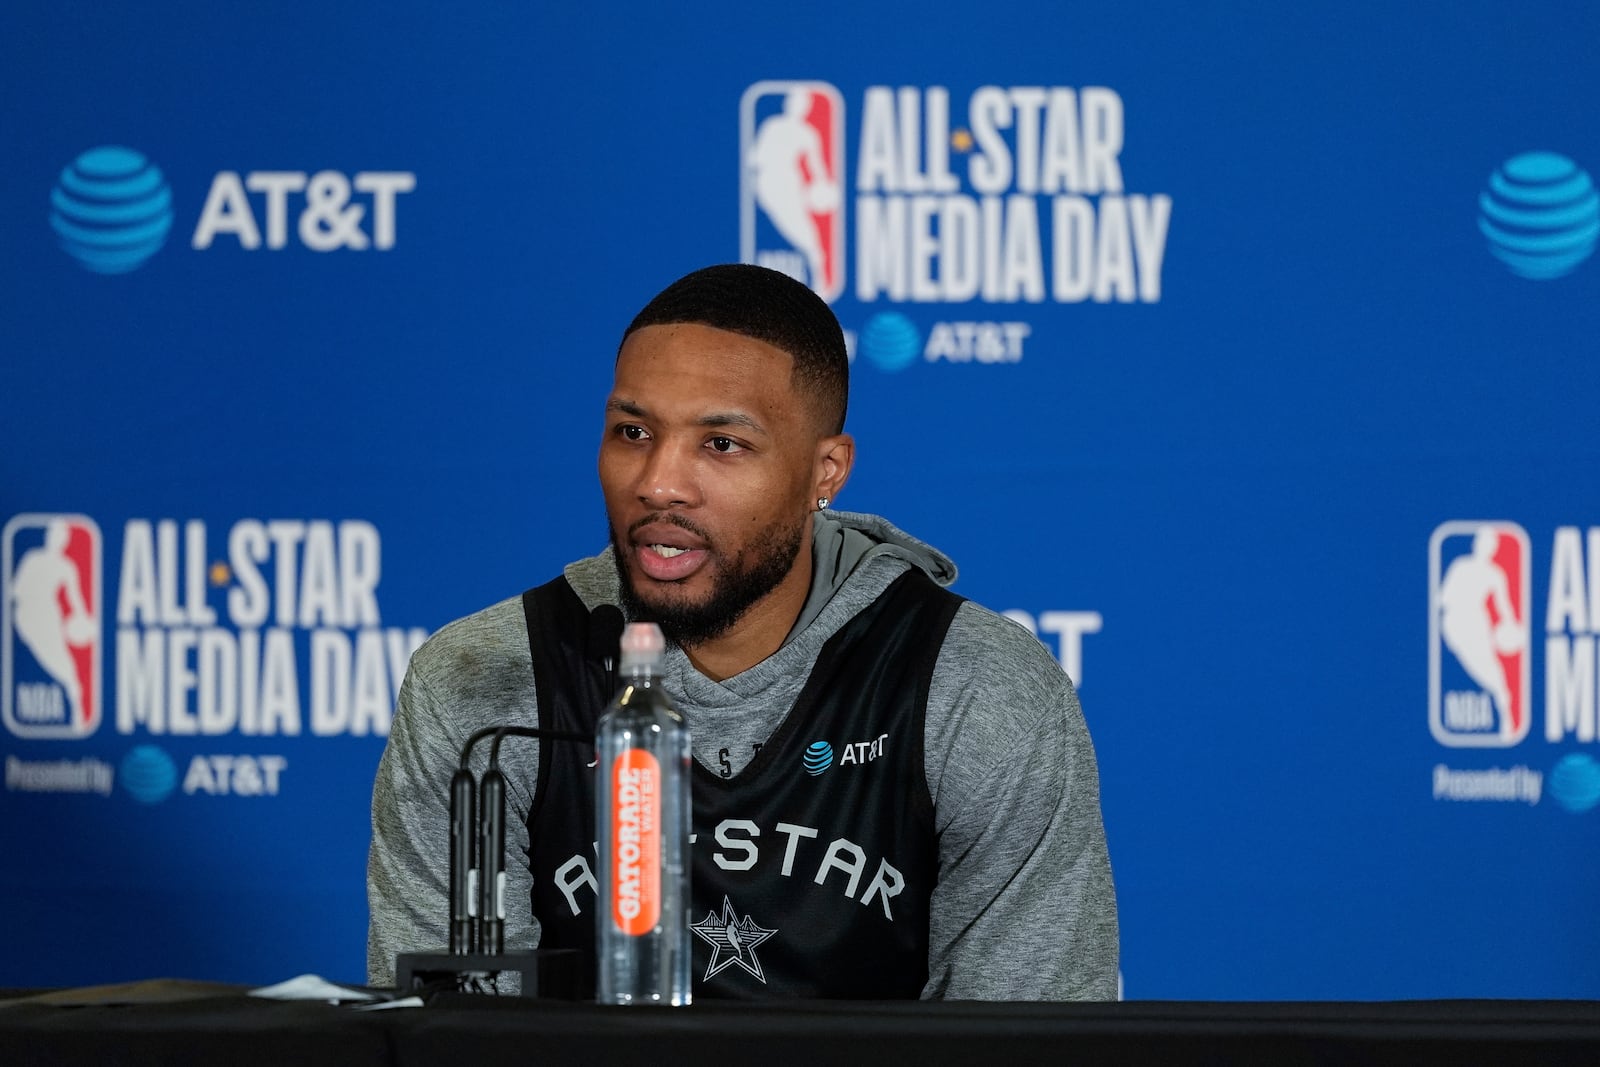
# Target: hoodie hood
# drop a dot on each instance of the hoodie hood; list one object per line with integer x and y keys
{"x": 842, "y": 541}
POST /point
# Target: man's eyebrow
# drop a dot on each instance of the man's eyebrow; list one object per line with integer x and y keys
{"x": 731, "y": 418}
{"x": 713, "y": 420}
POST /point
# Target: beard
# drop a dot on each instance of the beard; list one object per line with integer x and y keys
{"x": 736, "y": 585}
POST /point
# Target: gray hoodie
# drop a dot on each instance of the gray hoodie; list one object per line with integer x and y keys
{"x": 1024, "y": 907}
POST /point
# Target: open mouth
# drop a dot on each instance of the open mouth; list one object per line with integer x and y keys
{"x": 668, "y": 553}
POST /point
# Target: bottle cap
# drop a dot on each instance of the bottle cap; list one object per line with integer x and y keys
{"x": 642, "y": 645}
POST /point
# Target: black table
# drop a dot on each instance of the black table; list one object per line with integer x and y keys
{"x": 239, "y": 1031}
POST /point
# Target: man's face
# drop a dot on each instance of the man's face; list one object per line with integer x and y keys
{"x": 708, "y": 466}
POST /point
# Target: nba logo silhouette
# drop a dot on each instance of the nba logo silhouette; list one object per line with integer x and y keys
{"x": 791, "y": 187}
{"x": 1478, "y": 634}
{"x": 50, "y": 670}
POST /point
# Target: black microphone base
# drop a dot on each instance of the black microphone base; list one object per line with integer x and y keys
{"x": 550, "y": 973}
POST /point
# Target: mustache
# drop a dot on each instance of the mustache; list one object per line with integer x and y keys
{"x": 669, "y": 518}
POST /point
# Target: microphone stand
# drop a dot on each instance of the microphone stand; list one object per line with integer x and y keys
{"x": 477, "y": 892}
{"x": 477, "y": 867}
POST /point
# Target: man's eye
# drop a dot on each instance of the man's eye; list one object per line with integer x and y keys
{"x": 724, "y": 445}
{"x": 633, "y": 433}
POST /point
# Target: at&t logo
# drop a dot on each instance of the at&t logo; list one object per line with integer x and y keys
{"x": 890, "y": 341}
{"x": 1541, "y": 215}
{"x": 818, "y": 758}
{"x": 1575, "y": 782}
{"x": 151, "y": 776}
{"x": 1479, "y": 693}
{"x": 819, "y": 754}
{"x": 329, "y": 216}
{"x": 112, "y": 210}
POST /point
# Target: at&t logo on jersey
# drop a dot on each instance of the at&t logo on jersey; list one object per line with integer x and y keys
{"x": 50, "y": 674}
{"x": 818, "y": 757}
{"x": 1479, "y": 693}
{"x": 791, "y": 144}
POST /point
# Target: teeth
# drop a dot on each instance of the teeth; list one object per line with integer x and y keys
{"x": 667, "y": 550}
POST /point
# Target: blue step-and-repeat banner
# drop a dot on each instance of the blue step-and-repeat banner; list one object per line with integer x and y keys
{"x": 1246, "y": 353}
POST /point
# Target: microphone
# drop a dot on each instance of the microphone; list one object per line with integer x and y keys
{"x": 478, "y": 846}
{"x": 603, "y": 639}
{"x": 463, "y": 871}
{"x": 478, "y": 842}
{"x": 605, "y": 635}
{"x": 492, "y": 863}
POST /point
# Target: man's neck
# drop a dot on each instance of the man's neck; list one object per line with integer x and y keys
{"x": 760, "y": 631}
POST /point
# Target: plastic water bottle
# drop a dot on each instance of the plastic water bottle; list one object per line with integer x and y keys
{"x": 642, "y": 816}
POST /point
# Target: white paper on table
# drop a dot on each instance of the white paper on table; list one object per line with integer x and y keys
{"x": 402, "y": 1002}
{"x": 311, "y": 987}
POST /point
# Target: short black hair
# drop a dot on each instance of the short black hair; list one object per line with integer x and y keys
{"x": 771, "y": 307}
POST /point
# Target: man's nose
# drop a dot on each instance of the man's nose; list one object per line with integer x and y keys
{"x": 668, "y": 478}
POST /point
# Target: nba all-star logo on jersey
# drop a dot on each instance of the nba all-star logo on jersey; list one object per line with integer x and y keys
{"x": 50, "y": 672}
{"x": 733, "y": 940}
{"x": 1478, "y": 684}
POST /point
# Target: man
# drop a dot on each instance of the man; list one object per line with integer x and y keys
{"x": 894, "y": 790}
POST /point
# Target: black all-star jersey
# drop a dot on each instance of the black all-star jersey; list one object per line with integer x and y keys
{"x": 813, "y": 866}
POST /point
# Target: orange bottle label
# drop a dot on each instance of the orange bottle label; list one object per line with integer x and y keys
{"x": 635, "y": 889}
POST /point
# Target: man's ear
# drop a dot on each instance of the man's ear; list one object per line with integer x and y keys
{"x": 836, "y": 455}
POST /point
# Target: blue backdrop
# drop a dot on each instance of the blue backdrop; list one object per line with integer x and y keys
{"x": 1210, "y": 340}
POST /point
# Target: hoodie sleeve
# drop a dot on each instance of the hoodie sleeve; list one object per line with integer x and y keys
{"x": 1024, "y": 908}
{"x": 473, "y": 673}
{"x": 407, "y": 865}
